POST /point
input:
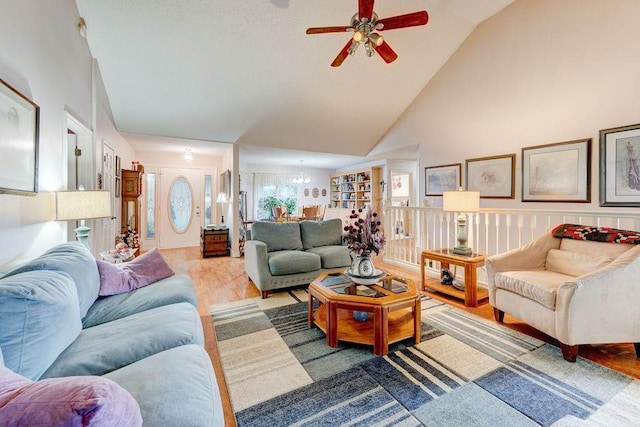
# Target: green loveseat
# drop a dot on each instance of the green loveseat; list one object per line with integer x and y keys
{"x": 285, "y": 254}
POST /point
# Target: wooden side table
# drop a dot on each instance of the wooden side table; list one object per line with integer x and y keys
{"x": 471, "y": 294}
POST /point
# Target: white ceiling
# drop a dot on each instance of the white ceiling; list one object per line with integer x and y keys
{"x": 245, "y": 72}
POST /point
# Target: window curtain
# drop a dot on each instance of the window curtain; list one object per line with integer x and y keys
{"x": 268, "y": 184}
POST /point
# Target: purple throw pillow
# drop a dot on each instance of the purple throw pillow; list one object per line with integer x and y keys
{"x": 68, "y": 401}
{"x": 142, "y": 271}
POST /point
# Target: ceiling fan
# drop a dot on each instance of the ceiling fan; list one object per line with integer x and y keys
{"x": 364, "y": 25}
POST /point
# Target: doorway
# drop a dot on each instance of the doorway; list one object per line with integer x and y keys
{"x": 179, "y": 204}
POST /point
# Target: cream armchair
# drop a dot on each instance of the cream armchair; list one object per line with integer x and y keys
{"x": 577, "y": 291}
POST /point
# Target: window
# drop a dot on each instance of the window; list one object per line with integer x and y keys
{"x": 151, "y": 205}
{"x": 270, "y": 188}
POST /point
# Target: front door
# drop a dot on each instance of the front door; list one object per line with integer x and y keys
{"x": 179, "y": 207}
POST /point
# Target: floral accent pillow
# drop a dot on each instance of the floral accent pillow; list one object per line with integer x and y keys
{"x": 125, "y": 277}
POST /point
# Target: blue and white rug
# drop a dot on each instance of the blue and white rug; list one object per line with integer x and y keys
{"x": 467, "y": 371}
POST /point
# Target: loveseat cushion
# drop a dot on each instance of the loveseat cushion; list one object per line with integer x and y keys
{"x": 321, "y": 233}
{"x": 173, "y": 289}
{"x": 74, "y": 259}
{"x": 574, "y": 263}
{"x": 277, "y": 236}
{"x": 537, "y": 285}
{"x": 335, "y": 256}
{"x": 176, "y": 387}
{"x": 109, "y": 346}
{"x": 291, "y": 262}
{"x": 71, "y": 401}
{"x": 39, "y": 318}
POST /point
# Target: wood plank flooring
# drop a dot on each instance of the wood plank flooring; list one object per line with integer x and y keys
{"x": 223, "y": 279}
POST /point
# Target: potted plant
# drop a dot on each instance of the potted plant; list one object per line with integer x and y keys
{"x": 270, "y": 203}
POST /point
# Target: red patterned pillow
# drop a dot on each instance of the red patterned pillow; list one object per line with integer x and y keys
{"x": 596, "y": 234}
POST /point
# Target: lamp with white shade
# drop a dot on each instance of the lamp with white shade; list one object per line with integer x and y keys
{"x": 222, "y": 200}
{"x": 82, "y": 205}
{"x": 463, "y": 202}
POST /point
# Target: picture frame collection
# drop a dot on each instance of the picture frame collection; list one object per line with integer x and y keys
{"x": 556, "y": 172}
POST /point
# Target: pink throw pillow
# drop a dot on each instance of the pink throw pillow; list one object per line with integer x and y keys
{"x": 125, "y": 277}
{"x": 68, "y": 401}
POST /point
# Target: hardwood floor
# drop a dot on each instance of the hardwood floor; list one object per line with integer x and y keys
{"x": 223, "y": 279}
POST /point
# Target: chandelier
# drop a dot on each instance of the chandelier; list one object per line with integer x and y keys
{"x": 301, "y": 179}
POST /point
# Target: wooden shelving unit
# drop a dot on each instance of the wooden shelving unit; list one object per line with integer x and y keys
{"x": 357, "y": 189}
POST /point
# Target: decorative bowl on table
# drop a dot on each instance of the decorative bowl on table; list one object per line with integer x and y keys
{"x": 365, "y": 280}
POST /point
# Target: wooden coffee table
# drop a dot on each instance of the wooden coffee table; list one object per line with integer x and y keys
{"x": 393, "y": 316}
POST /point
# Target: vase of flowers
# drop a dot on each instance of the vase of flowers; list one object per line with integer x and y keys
{"x": 363, "y": 237}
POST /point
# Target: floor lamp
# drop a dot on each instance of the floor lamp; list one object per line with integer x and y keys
{"x": 82, "y": 205}
{"x": 463, "y": 202}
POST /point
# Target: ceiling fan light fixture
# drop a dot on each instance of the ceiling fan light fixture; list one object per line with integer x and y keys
{"x": 376, "y": 39}
{"x": 352, "y": 49}
{"x": 368, "y": 49}
{"x": 358, "y": 36}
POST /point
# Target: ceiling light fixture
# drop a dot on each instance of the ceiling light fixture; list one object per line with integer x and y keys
{"x": 188, "y": 155}
{"x": 301, "y": 179}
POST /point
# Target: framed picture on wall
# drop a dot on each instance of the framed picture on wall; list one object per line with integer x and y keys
{"x": 118, "y": 185}
{"x": 19, "y": 139}
{"x": 620, "y": 166}
{"x": 559, "y": 172}
{"x": 438, "y": 179}
{"x": 118, "y": 167}
{"x": 493, "y": 177}
{"x": 225, "y": 183}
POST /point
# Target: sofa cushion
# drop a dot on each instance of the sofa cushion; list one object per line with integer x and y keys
{"x": 574, "y": 263}
{"x": 537, "y": 285}
{"x": 72, "y": 401}
{"x": 176, "y": 387}
{"x": 321, "y": 233}
{"x": 277, "y": 236}
{"x": 173, "y": 289}
{"x": 74, "y": 259}
{"x": 39, "y": 318}
{"x": 335, "y": 256}
{"x": 109, "y": 346}
{"x": 601, "y": 249}
{"x": 596, "y": 234}
{"x": 124, "y": 277}
{"x": 291, "y": 262}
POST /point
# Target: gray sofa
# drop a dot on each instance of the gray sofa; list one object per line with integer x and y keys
{"x": 148, "y": 341}
{"x": 285, "y": 254}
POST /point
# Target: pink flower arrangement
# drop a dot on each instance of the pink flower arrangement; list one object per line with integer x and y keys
{"x": 363, "y": 234}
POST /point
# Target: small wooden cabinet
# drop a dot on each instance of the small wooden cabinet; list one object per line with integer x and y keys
{"x": 214, "y": 242}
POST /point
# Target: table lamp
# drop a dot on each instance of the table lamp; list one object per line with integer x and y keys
{"x": 222, "y": 199}
{"x": 82, "y": 205}
{"x": 463, "y": 202}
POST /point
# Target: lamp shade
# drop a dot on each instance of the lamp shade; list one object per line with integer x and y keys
{"x": 81, "y": 204}
{"x": 222, "y": 198}
{"x": 461, "y": 201}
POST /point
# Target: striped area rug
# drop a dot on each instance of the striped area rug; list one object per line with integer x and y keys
{"x": 467, "y": 371}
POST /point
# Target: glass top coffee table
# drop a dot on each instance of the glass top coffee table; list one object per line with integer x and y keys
{"x": 392, "y": 304}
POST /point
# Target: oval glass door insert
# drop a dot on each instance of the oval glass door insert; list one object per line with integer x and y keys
{"x": 180, "y": 204}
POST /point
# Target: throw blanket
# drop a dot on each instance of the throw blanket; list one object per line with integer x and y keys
{"x": 596, "y": 234}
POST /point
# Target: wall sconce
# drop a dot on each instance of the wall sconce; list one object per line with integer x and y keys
{"x": 188, "y": 155}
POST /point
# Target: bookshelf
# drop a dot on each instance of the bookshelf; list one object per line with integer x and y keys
{"x": 356, "y": 189}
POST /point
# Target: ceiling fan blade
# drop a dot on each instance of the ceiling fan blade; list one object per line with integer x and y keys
{"x": 342, "y": 55}
{"x": 386, "y": 53}
{"x": 401, "y": 21}
{"x": 322, "y": 30}
{"x": 365, "y": 9}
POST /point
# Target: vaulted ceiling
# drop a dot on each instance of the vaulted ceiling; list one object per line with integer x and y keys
{"x": 245, "y": 72}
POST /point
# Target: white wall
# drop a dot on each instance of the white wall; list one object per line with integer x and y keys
{"x": 43, "y": 56}
{"x": 539, "y": 72}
